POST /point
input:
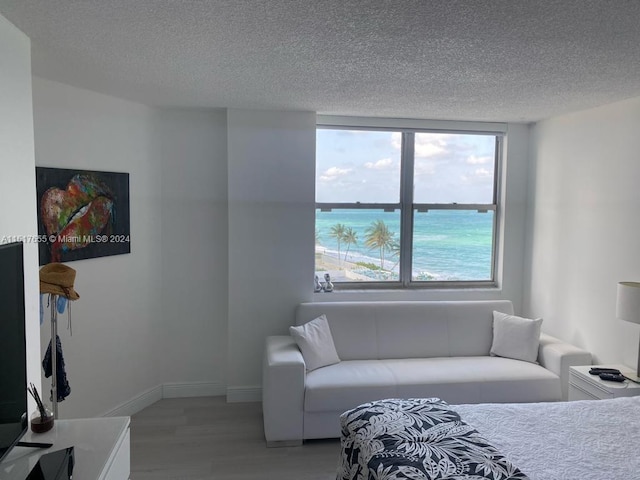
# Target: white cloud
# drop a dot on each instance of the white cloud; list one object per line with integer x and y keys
{"x": 473, "y": 160}
{"x": 426, "y": 144}
{"x": 432, "y": 144}
{"x": 428, "y": 150}
{"x": 483, "y": 173}
{"x": 382, "y": 164}
{"x": 480, "y": 176}
{"x": 333, "y": 173}
{"x": 396, "y": 140}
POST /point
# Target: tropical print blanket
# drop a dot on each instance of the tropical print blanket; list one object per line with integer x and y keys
{"x": 417, "y": 439}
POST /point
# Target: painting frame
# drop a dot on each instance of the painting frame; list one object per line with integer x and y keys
{"x": 82, "y": 214}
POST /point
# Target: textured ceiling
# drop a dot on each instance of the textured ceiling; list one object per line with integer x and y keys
{"x": 496, "y": 60}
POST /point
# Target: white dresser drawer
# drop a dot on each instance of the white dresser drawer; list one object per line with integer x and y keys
{"x": 577, "y": 393}
{"x": 589, "y": 389}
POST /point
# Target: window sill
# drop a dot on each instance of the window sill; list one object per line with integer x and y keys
{"x": 409, "y": 294}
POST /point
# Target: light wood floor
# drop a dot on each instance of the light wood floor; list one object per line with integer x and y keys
{"x": 207, "y": 438}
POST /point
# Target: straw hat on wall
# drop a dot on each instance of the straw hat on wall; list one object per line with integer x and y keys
{"x": 57, "y": 279}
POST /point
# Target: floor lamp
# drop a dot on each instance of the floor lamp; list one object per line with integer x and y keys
{"x": 628, "y": 309}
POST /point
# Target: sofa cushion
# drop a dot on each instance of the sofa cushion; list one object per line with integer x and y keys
{"x": 516, "y": 337}
{"x": 407, "y": 329}
{"x": 350, "y": 382}
{"x": 316, "y": 343}
{"x": 480, "y": 379}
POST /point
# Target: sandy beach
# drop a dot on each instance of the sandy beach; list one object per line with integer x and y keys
{"x": 339, "y": 269}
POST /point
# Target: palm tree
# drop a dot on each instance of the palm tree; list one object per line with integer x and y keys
{"x": 337, "y": 232}
{"x": 378, "y": 236}
{"x": 394, "y": 248}
{"x": 350, "y": 238}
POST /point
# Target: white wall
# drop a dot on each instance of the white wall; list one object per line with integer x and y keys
{"x": 144, "y": 319}
{"x": 113, "y": 351}
{"x": 194, "y": 250}
{"x": 583, "y": 227}
{"x": 271, "y": 233}
{"x": 17, "y": 181}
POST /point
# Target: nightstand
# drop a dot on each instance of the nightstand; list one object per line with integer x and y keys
{"x": 584, "y": 386}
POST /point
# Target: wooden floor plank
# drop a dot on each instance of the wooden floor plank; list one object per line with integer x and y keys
{"x": 205, "y": 438}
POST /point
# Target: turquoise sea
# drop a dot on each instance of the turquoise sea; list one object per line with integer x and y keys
{"x": 447, "y": 244}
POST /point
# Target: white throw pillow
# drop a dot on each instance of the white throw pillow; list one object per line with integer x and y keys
{"x": 316, "y": 343}
{"x": 515, "y": 337}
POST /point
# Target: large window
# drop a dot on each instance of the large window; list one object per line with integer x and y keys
{"x": 403, "y": 208}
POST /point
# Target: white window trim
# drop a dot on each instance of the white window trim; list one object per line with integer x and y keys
{"x": 443, "y": 126}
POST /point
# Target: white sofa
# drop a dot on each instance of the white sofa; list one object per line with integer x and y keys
{"x": 402, "y": 349}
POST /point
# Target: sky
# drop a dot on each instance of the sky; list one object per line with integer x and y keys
{"x": 364, "y": 166}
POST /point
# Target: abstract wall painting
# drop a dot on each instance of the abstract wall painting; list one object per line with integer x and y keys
{"x": 82, "y": 214}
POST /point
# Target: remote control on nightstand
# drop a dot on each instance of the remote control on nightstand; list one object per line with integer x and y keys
{"x": 612, "y": 377}
{"x": 599, "y": 370}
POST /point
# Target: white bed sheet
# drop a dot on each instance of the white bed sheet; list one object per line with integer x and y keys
{"x": 583, "y": 440}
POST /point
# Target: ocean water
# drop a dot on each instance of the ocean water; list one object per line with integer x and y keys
{"x": 447, "y": 244}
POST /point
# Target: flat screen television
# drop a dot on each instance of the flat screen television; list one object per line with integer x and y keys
{"x": 13, "y": 350}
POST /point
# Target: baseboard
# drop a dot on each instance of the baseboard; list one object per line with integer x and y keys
{"x": 194, "y": 389}
{"x": 136, "y": 404}
{"x": 167, "y": 390}
{"x": 244, "y": 394}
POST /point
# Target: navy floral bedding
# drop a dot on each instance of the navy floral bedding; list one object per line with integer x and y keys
{"x": 417, "y": 439}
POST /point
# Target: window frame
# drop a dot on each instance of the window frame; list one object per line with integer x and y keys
{"x": 406, "y": 205}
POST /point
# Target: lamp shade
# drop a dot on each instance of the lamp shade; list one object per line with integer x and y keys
{"x": 628, "y": 304}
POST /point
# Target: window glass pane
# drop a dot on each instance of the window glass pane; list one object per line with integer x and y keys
{"x": 357, "y": 166}
{"x": 357, "y": 245}
{"x": 454, "y": 168}
{"x": 450, "y": 245}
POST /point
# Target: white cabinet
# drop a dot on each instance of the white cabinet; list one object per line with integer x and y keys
{"x": 584, "y": 386}
{"x": 101, "y": 449}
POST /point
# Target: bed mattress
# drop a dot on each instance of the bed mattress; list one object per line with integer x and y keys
{"x": 583, "y": 440}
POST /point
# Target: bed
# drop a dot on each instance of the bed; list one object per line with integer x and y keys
{"x": 583, "y": 440}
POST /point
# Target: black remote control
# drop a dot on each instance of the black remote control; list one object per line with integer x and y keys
{"x": 34, "y": 444}
{"x": 598, "y": 371}
{"x": 612, "y": 377}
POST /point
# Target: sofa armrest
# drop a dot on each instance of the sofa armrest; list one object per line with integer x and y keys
{"x": 558, "y": 356}
{"x": 283, "y": 380}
